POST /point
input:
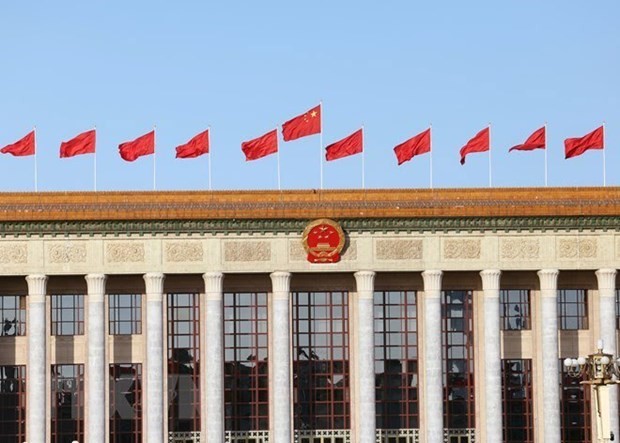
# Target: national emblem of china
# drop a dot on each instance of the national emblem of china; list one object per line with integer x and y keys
{"x": 323, "y": 240}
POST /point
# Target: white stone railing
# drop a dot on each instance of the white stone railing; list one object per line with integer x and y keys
{"x": 183, "y": 437}
{"x": 398, "y": 435}
{"x": 246, "y": 437}
{"x": 322, "y": 436}
{"x": 467, "y": 435}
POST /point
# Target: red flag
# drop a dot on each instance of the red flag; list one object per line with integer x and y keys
{"x": 196, "y": 147}
{"x": 479, "y": 143}
{"x": 538, "y": 140}
{"x": 303, "y": 125}
{"x": 420, "y": 144}
{"x": 143, "y": 145}
{"x": 577, "y": 146}
{"x": 261, "y": 146}
{"x": 351, "y": 145}
{"x": 84, "y": 143}
{"x": 21, "y": 148}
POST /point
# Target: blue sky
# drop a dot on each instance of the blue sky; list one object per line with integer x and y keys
{"x": 244, "y": 68}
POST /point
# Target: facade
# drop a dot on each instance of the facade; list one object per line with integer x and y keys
{"x": 197, "y": 316}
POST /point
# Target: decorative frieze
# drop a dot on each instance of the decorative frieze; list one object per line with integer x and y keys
{"x": 13, "y": 253}
{"x": 184, "y": 251}
{"x": 124, "y": 252}
{"x": 398, "y": 249}
{"x": 296, "y": 251}
{"x": 461, "y": 249}
{"x": 577, "y": 248}
{"x": 519, "y": 249}
{"x": 67, "y": 253}
{"x": 350, "y": 251}
{"x": 247, "y": 251}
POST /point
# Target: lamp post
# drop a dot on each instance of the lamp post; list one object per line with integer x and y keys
{"x": 598, "y": 370}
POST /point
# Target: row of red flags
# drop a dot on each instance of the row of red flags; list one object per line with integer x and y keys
{"x": 305, "y": 125}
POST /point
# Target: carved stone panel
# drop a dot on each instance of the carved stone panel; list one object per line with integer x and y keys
{"x": 398, "y": 249}
{"x": 296, "y": 251}
{"x": 247, "y": 251}
{"x": 13, "y": 253}
{"x": 124, "y": 252}
{"x": 350, "y": 251}
{"x": 184, "y": 251}
{"x": 577, "y": 248}
{"x": 67, "y": 253}
{"x": 455, "y": 249}
{"x": 519, "y": 248}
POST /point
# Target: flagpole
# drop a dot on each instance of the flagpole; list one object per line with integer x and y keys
{"x": 363, "y": 158}
{"x": 95, "y": 164}
{"x": 604, "y": 165}
{"x": 546, "y": 146}
{"x": 35, "y": 160}
{"x": 490, "y": 176}
{"x": 321, "y": 143}
{"x": 431, "y": 157}
{"x": 154, "y": 160}
{"x": 210, "y": 153}
{"x": 278, "y": 160}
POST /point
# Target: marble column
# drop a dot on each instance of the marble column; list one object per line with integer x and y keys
{"x": 607, "y": 305}
{"x": 213, "y": 406}
{"x": 280, "y": 368}
{"x": 96, "y": 358}
{"x": 37, "y": 359}
{"x": 550, "y": 354}
{"x": 365, "y": 361}
{"x": 154, "y": 282}
{"x": 492, "y": 355}
{"x": 433, "y": 370}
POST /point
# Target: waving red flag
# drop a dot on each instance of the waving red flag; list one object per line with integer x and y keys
{"x": 303, "y": 125}
{"x": 83, "y": 143}
{"x": 481, "y": 142}
{"x": 420, "y": 144}
{"x": 260, "y": 147}
{"x": 143, "y": 145}
{"x": 538, "y": 140}
{"x": 351, "y": 145}
{"x": 197, "y": 146}
{"x": 21, "y": 148}
{"x": 577, "y": 146}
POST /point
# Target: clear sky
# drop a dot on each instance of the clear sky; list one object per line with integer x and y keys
{"x": 245, "y": 67}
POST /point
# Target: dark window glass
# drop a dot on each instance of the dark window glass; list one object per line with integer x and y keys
{"x": 573, "y": 309}
{"x": 321, "y": 360}
{"x": 517, "y": 401}
{"x": 515, "y": 309}
{"x": 617, "y": 308}
{"x": 125, "y": 314}
{"x": 458, "y": 357}
{"x": 183, "y": 363}
{"x": 67, "y": 403}
{"x": 576, "y": 424}
{"x": 13, "y": 315}
{"x": 126, "y": 403}
{"x": 245, "y": 368}
{"x": 396, "y": 359}
{"x": 67, "y": 314}
{"x": 12, "y": 404}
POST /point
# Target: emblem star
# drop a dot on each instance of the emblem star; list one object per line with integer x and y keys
{"x": 313, "y": 114}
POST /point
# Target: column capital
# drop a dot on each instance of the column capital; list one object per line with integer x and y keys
{"x": 37, "y": 284}
{"x": 280, "y": 282}
{"x": 432, "y": 280}
{"x": 154, "y": 282}
{"x": 548, "y": 279}
{"x": 606, "y": 279}
{"x": 490, "y": 279}
{"x": 214, "y": 282}
{"x": 95, "y": 283}
{"x": 365, "y": 281}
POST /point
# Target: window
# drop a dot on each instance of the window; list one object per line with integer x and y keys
{"x": 12, "y": 404}
{"x": 67, "y": 403}
{"x": 573, "y": 309}
{"x": 321, "y": 360}
{"x": 517, "y": 401}
{"x": 13, "y": 315}
{"x": 458, "y": 357}
{"x": 245, "y": 368}
{"x": 576, "y": 425}
{"x": 125, "y": 314}
{"x": 126, "y": 403}
{"x": 183, "y": 363}
{"x": 67, "y": 314}
{"x": 515, "y": 309}
{"x": 396, "y": 359}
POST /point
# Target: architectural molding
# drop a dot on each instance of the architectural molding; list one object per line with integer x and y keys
{"x": 13, "y": 253}
{"x": 519, "y": 248}
{"x": 246, "y": 251}
{"x": 183, "y": 251}
{"x": 67, "y": 253}
{"x": 398, "y": 249}
{"x": 461, "y": 249}
{"x": 125, "y": 252}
